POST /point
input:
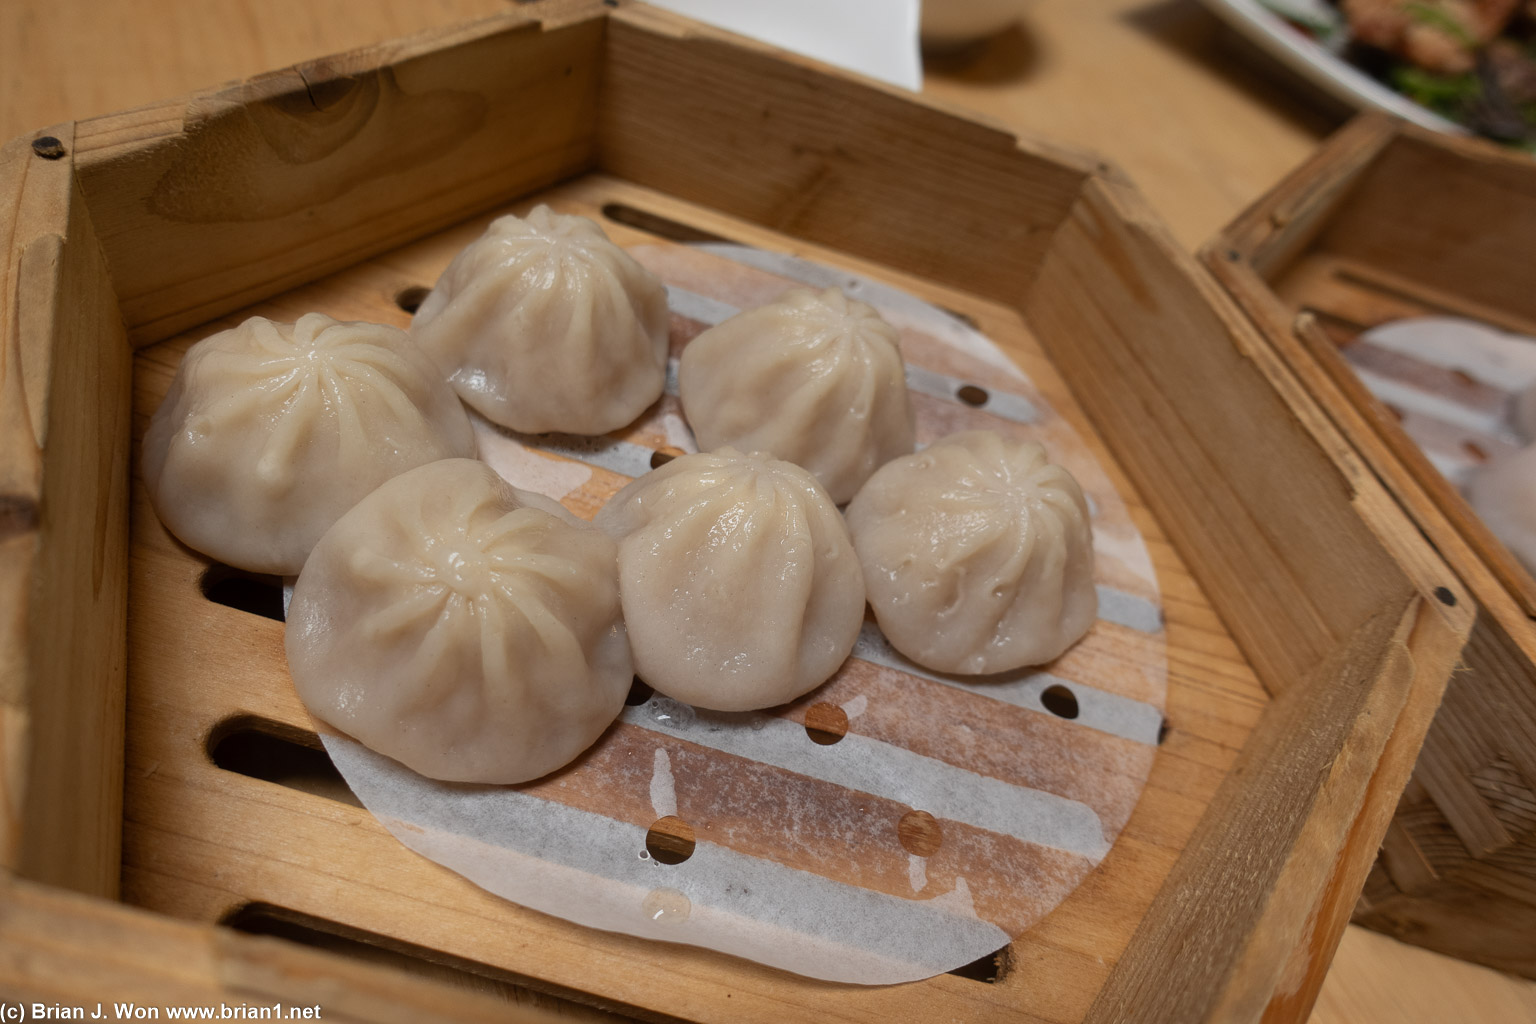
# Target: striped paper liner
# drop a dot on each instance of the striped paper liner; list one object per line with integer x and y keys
{"x": 802, "y": 860}
{"x": 1452, "y": 383}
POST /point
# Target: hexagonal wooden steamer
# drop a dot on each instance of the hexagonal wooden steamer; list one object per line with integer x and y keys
{"x": 1389, "y": 221}
{"x": 329, "y": 183}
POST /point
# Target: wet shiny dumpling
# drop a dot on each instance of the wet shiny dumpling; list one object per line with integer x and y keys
{"x": 740, "y": 586}
{"x": 543, "y": 324}
{"x": 977, "y": 554}
{"x": 465, "y": 628}
{"x": 814, "y": 378}
{"x": 1503, "y": 494}
{"x": 271, "y": 431}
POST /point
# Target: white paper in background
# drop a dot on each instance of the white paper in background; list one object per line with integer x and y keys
{"x": 1454, "y": 383}
{"x": 1465, "y": 393}
{"x": 877, "y": 38}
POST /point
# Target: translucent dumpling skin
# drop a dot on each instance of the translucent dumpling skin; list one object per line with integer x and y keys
{"x": 271, "y": 431}
{"x": 467, "y": 629}
{"x": 543, "y": 324}
{"x": 814, "y": 378}
{"x": 740, "y": 586}
{"x": 977, "y": 554}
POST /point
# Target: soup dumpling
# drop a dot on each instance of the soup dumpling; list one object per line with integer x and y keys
{"x": 465, "y": 628}
{"x": 270, "y": 431}
{"x": 814, "y": 378}
{"x": 740, "y": 586}
{"x": 543, "y": 324}
{"x": 977, "y": 554}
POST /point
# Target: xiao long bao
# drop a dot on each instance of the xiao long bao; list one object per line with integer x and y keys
{"x": 271, "y": 431}
{"x": 740, "y": 586}
{"x": 543, "y": 324}
{"x": 977, "y": 554}
{"x": 465, "y": 628}
{"x": 813, "y": 378}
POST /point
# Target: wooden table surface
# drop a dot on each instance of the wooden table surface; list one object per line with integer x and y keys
{"x": 1203, "y": 124}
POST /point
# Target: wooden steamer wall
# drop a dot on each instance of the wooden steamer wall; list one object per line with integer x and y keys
{"x": 1389, "y": 221}
{"x": 1282, "y": 559}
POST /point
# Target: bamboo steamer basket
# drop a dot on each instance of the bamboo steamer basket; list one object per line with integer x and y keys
{"x": 169, "y": 831}
{"x": 1389, "y": 221}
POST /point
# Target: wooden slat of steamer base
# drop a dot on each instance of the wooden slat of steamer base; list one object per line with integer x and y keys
{"x": 65, "y": 951}
{"x": 64, "y": 385}
{"x": 176, "y": 795}
{"x": 1362, "y": 295}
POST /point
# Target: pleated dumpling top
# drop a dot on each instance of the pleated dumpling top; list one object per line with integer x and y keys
{"x": 270, "y": 431}
{"x": 977, "y": 554}
{"x": 739, "y": 584}
{"x": 543, "y": 324}
{"x": 814, "y": 378}
{"x": 468, "y": 629}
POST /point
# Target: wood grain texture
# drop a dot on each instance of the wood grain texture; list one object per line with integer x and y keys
{"x": 1149, "y": 83}
{"x": 78, "y": 59}
{"x": 1238, "y": 859}
{"x": 1460, "y": 876}
{"x": 61, "y": 949}
{"x": 66, "y": 385}
{"x": 1180, "y": 442}
{"x": 1152, "y": 84}
{"x": 1213, "y": 701}
{"x": 1241, "y": 485}
{"x": 1421, "y": 216}
{"x": 1387, "y": 973}
{"x": 206, "y": 204}
{"x": 1455, "y": 215}
{"x": 1160, "y": 87}
{"x": 839, "y": 162}
{"x": 1348, "y": 859}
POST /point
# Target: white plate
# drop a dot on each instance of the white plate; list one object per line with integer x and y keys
{"x": 1331, "y": 73}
